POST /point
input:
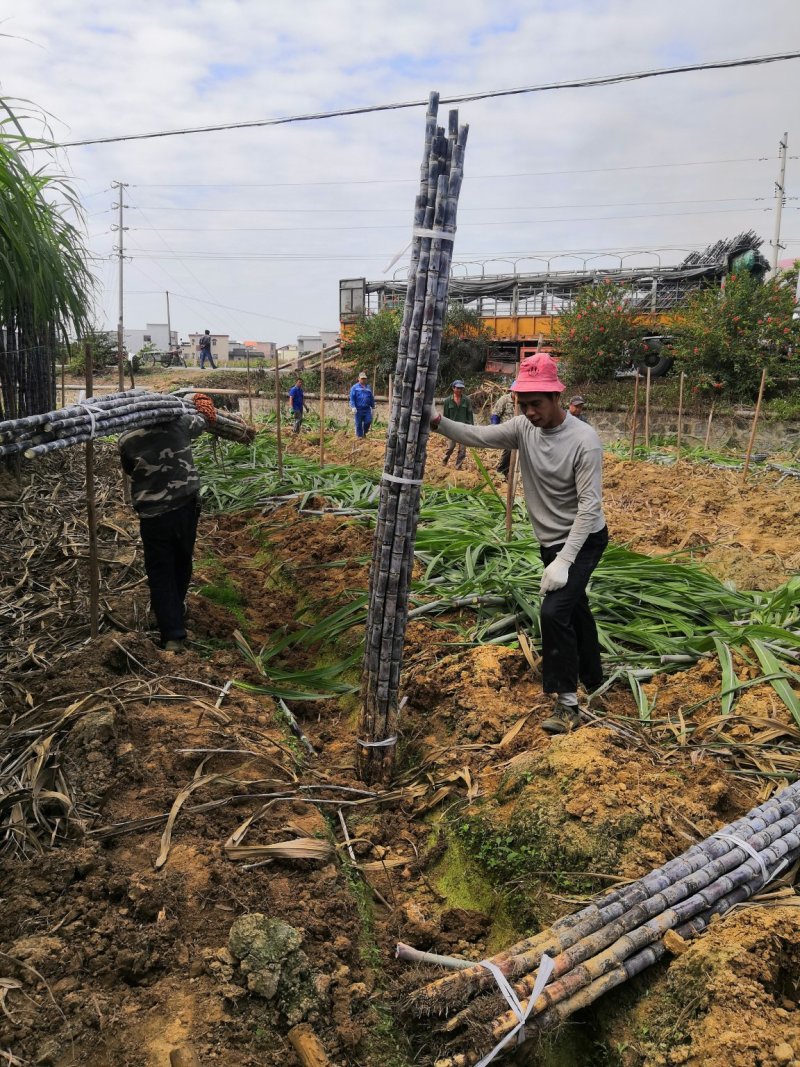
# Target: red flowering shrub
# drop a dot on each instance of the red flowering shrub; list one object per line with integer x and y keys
{"x": 724, "y": 338}
{"x": 595, "y": 336}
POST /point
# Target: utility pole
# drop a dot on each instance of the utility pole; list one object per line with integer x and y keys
{"x": 169, "y": 326}
{"x": 119, "y": 186}
{"x": 780, "y": 196}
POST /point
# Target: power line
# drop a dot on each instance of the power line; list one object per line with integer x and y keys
{"x": 468, "y": 177}
{"x": 400, "y": 226}
{"x": 582, "y": 83}
{"x": 461, "y": 210}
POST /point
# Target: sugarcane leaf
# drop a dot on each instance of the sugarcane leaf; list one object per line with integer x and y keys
{"x": 729, "y": 680}
{"x": 780, "y": 680}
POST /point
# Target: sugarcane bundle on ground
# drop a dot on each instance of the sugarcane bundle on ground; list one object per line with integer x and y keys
{"x": 36, "y": 435}
{"x": 404, "y": 462}
{"x": 613, "y": 939}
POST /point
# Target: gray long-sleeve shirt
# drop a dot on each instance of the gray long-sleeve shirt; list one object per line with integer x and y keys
{"x": 561, "y": 475}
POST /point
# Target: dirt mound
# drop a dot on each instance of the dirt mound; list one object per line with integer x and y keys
{"x": 730, "y": 1000}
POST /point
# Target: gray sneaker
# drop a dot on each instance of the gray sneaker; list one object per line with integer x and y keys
{"x": 177, "y": 645}
{"x": 563, "y": 720}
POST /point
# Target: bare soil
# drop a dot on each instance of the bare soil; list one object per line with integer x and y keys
{"x": 109, "y": 960}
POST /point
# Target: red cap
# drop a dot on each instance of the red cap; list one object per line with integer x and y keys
{"x": 538, "y": 374}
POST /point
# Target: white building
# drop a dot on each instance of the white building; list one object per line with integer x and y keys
{"x": 155, "y": 333}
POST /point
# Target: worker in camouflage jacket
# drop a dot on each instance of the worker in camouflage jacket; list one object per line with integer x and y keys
{"x": 165, "y": 489}
{"x": 502, "y": 411}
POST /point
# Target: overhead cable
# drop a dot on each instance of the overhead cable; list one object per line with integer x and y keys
{"x": 489, "y": 94}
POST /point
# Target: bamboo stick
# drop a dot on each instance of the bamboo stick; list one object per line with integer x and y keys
{"x": 277, "y": 415}
{"x": 512, "y": 470}
{"x": 250, "y": 388}
{"x": 708, "y": 425}
{"x": 91, "y": 514}
{"x": 680, "y": 415}
{"x": 647, "y": 411}
{"x": 63, "y": 383}
{"x": 635, "y": 415}
{"x": 752, "y": 439}
{"x": 322, "y": 411}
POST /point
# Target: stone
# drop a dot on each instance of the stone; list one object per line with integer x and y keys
{"x": 273, "y": 963}
{"x": 783, "y": 1053}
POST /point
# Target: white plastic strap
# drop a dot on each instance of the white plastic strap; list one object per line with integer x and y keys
{"x": 400, "y": 481}
{"x": 435, "y": 235}
{"x": 90, "y": 411}
{"x": 748, "y": 848}
{"x": 420, "y": 231}
{"x": 378, "y": 744}
{"x": 542, "y": 977}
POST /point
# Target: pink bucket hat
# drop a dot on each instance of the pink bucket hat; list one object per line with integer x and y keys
{"x": 538, "y": 374}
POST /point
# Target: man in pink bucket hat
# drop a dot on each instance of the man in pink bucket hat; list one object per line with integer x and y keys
{"x": 561, "y": 461}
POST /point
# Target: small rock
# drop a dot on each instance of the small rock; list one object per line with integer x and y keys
{"x": 674, "y": 943}
{"x": 342, "y": 944}
{"x": 783, "y": 1053}
{"x": 48, "y": 1054}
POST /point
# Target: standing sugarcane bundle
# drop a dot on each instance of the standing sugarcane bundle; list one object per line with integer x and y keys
{"x": 436, "y": 207}
{"x": 620, "y": 934}
{"x": 36, "y": 435}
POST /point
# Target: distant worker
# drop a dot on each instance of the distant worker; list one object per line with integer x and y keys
{"x": 164, "y": 491}
{"x": 362, "y": 404}
{"x": 561, "y": 461}
{"x": 502, "y": 411}
{"x": 458, "y": 408}
{"x": 576, "y": 406}
{"x": 205, "y": 351}
{"x": 298, "y": 399}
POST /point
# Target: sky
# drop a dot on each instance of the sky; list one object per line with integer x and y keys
{"x": 251, "y": 230}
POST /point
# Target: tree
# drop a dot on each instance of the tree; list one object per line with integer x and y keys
{"x": 598, "y": 334}
{"x": 372, "y": 343}
{"x": 44, "y": 278}
{"x": 104, "y": 350}
{"x": 724, "y": 338}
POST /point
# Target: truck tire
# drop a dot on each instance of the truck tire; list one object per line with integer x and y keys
{"x": 658, "y": 363}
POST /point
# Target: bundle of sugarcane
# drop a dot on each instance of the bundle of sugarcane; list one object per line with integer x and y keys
{"x": 616, "y": 936}
{"x": 404, "y": 462}
{"x": 35, "y": 435}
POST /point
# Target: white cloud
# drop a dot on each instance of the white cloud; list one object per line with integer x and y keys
{"x": 116, "y": 67}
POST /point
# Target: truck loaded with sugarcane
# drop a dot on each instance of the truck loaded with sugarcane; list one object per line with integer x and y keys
{"x": 521, "y": 311}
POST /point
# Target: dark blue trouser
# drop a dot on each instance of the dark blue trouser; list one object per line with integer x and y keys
{"x": 205, "y": 354}
{"x": 363, "y": 421}
{"x": 168, "y": 542}
{"x": 570, "y": 649}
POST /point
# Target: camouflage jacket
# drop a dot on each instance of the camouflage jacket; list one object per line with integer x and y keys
{"x": 160, "y": 464}
{"x": 504, "y": 407}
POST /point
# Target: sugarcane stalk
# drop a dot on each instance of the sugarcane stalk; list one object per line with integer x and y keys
{"x": 413, "y": 381}
{"x": 557, "y": 996}
{"x": 452, "y": 990}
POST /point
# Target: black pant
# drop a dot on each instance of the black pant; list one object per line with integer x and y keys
{"x": 505, "y": 462}
{"x": 168, "y": 542}
{"x": 570, "y": 649}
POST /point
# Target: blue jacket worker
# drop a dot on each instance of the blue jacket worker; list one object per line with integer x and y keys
{"x": 362, "y": 404}
{"x": 298, "y": 401}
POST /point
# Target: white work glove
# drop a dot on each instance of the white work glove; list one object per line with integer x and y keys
{"x": 555, "y": 576}
{"x": 353, "y": 410}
